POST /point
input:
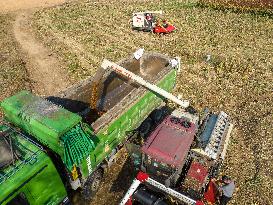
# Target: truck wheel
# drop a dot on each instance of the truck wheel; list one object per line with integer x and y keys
{"x": 92, "y": 184}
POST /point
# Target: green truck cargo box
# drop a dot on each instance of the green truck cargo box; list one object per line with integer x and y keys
{"x": 39, "y": 117}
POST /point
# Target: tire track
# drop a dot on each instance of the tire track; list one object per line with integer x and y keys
{"x": 45, "y": 71}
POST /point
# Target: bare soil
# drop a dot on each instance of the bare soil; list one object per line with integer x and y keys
{"x": 45, "y": 71}
{"x": 45, "y": 74}
{"x": 15, "y": 5}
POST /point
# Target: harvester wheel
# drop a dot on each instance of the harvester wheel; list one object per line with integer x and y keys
{"x": 92, "y": 184}
{"x": 145, "y": 127}
{"x": 156, "y": 115}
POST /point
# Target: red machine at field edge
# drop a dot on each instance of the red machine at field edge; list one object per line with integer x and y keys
{"x": 148, "y": 21}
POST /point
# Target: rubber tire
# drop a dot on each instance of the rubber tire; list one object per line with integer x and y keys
{"x": 191, "y": 110}
{"x": 156, "y": 115}
{"x": 92, "y": 184}
{"x": 145, "y": 127}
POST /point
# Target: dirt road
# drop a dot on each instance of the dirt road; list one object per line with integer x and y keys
{"x": 45, "y": 71}
{"x": 15, "y": 5}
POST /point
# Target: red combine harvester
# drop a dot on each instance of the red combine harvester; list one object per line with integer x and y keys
{"x": 148, "y": 21}
{"x": 164, "y": 28}
{"x": 177, "y": 152}
{"x": 177, "y": 158}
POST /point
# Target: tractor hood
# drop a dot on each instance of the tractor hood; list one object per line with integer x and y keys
{"x": 170, "y": 142}
{"x": 40, "y": 118}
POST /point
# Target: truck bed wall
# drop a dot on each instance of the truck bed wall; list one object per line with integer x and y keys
{"x": 113, "y": 89}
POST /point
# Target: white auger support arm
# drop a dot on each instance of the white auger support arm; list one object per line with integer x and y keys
{"x": 141, "y": 177}
{"x": 120, "y": 70}
{"x": 176, "y": 62}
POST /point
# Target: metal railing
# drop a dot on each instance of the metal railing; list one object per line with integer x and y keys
{"x": 29, "y": 158}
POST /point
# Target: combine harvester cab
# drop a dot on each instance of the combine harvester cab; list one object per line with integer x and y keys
{"x": 178, "y": 158}
{"x": 81, "y": 139}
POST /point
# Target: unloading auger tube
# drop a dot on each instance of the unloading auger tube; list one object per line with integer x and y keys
{"x": 144, "y": 178}
{"x": 120, "y": 70}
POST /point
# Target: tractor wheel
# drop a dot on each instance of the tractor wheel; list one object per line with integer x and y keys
{"x": 92, "y": 184}
{"x": 191, "y": 110}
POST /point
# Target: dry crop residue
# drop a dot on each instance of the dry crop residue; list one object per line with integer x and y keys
{"x": 251, "y": 5}
{"x": 13, "y": 75}
{"x": 14, "y": 5}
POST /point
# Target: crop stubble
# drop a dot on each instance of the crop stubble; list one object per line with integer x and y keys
{"x": 238, "y": 78}
{"x": 13, "y": 75}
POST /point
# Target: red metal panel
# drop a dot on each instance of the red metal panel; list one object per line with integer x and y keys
{"x": 198, "y": 172}
{"x": 196, "y": 176}
{"x": 211, "y": 194}
{"x": 170, "y": 142}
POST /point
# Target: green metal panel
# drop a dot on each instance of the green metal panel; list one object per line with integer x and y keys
{"x": 34, "y": 175}
{"x": 47, "y": 187}
{"x": 40, "y": 118}
{"x": 115, "y": 133}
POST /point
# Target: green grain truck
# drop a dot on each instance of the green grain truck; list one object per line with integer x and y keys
{"x": 54, "y": 144}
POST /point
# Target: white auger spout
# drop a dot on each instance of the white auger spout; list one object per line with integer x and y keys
{"x": 120, "y": 70}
